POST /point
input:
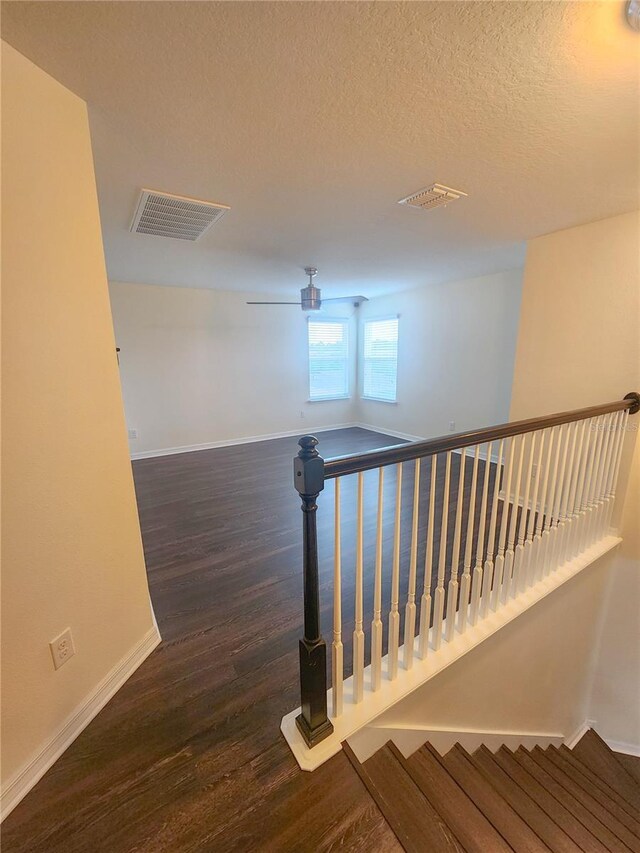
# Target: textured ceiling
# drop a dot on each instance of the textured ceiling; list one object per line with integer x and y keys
{"x": 312, "y": 119}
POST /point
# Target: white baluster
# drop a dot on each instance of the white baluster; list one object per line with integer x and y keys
{"x": 563, "y": 447}
{"x": 465, "y": 581}
{"x": 619, "y": 448}
{"x": 507, "y": 580}
{"x": 565, "y": 553}
{"x": 477, "y": 583}
{"x": 438, "y": 600}
{"x": 534, "y": 513}
{"x": 410, "y": 609}
{"x": 452, "y": 590}
{"x": 598, "y": 497}
{"x": 554, "y": 442}
{"x": 592, "y": 437}
{"x": 498, "y": 571}
{"x": 576, "y": 521}
{"x": 615, "y": 442}
{"x": 425, "y": 601}
{"x": 558, "y": 551}
{"x": 394, "y": 616}
{"x": 358, "y": 634}
{"x": 376, "y": 624}
{"x": 519, "y": 568}
{"x": 610, "y": 440}
{"x": 537, "y": 553}
{"x": 488, "y": 582}
{"x": 337, "y": 668}
{"x": 585, "y": 540}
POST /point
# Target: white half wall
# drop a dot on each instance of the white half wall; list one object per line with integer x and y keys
{"x": 456, "y": 348}
{"x": 71, "y": 549}
{"x": 200, "y": 367}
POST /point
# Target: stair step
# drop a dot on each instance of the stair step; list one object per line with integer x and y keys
{"x": 415, "y": 822}
{"x": 508, "y": 823}
{"x": 595, "y": 754}
{"x": 631, "y": 764}
{"x": 470, "y": 826}
{"x": 605, "y": 809}
{"x": 541, "y": 795}
{"x": 584, "y": 814}
{"x": 589, "y": 781}
{"x": 540, "y": 822}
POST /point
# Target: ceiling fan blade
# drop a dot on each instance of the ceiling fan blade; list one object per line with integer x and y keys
{"x": 273, "y": 303}
{"x": 346, "y": 299}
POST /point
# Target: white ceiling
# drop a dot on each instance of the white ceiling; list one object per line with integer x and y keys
{"x": 311, "y": 119}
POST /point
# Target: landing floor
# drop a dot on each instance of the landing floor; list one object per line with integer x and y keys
{"x": 188, "y": 756}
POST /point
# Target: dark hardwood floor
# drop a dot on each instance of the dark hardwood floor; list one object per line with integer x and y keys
{"x": 188, "y": 756}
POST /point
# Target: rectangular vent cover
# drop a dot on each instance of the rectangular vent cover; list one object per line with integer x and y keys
{"x": 432, "y": 196}
{"x": 165, "y": 215}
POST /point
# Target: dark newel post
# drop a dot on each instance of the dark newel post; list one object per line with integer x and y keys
{"x": 308, "y": 477}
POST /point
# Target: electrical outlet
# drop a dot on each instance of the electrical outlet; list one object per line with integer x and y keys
{"x": 302, "y": 415}
{"x": 452, "y": 426}
{"x": 133, "y": 433}
{"x": 62, "y": 648}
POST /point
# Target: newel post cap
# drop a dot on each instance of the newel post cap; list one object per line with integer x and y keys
{"x": 308, "y": 467}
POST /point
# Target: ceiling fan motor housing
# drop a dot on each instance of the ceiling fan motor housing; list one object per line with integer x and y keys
{"x": 310, "y": 298}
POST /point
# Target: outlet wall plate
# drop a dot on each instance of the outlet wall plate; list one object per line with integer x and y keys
{"x": 62, "y": 648}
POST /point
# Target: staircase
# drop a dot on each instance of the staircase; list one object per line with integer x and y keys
{"x": 555, "y": 799}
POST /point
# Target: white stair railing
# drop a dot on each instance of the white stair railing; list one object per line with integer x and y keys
{"x": 475, "y": 522}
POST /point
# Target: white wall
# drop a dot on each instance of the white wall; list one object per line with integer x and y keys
{"x": 72, "y": 555}
{"x": 201, "y": 366}
{"x": 579, "y": 344}
{"x": 456, "y": 346}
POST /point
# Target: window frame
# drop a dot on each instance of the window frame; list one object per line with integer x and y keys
{"x": 342, "y": 321}
{"x": 380, "y": 319}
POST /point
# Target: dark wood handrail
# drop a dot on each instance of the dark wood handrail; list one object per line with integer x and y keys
{"x": 340, "y": 466}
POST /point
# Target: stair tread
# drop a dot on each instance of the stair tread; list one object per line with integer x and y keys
{"x": 536, "y": 767}
{"x": 631, "y": 764}
{"x": 564, "y": 817}
{"x": 607, "y": 795}
{"x": 540, "y": 822}
{"x": 605, "y": 809}
{"x": 417, "y": 825}
{"x": 497, "y": 810}
{"x": 470, "y": 826}
{"x": 595, "y": 753}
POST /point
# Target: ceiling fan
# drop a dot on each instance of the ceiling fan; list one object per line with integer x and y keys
{"x": 310, "y": 299}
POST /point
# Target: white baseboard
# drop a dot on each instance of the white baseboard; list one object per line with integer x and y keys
{"x": 250, "y": 439}
{"x": 404, "y": 435}
{"x": 231, "y": 442}
{"x": 24, "y": 780}
{"x": 410, "y": 738}
{"x": 614, "y": 745}
{"x": 622, "y": 746}
{"x": 575, "y": 737}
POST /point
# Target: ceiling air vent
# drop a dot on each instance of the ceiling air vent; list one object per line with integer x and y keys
{"x": 165, "y": 215}
{"x": 433, "y": 196}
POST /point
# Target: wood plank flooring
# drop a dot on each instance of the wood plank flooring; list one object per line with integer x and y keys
{"x": 188, "y": 756}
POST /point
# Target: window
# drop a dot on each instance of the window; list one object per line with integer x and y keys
{"x": 328, "y": 359}
{"x": 380, "y": 373}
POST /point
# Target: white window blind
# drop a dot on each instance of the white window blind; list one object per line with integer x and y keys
{"x": 328, "y": 359}
{"x": 380, "y": 372}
